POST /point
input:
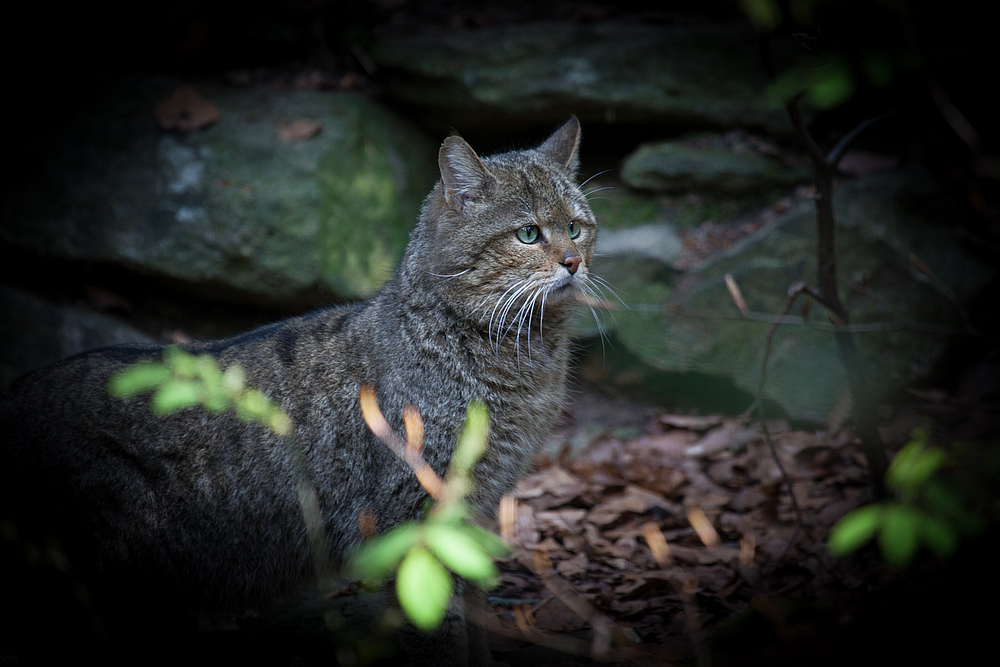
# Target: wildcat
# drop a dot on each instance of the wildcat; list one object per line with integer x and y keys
{"x": 199, "y": 511}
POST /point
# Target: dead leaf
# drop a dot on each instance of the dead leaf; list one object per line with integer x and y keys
{"x": 554, "y": 480}
{"x": 186, "y": 111}
{"x": 691, "y": 422}
{"x": 726, "y": 437}
{"x": 655, "y": 478}
{"x": 575, "y": 566}
{"x": 670, "y": 446}
{"x": 558, "y": 617}
{"x": 560, "y": 521}
{"x": 633, "y": 499}
{"x": 298, "y": 130}
{"x": 748, "y": 498}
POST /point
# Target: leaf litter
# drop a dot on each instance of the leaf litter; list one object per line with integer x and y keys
{"x": 678, "y": 529}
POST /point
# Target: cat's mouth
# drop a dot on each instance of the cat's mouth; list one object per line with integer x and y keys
{"x": 564, "y": 287}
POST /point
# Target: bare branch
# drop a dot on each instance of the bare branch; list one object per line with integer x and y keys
{"x": 793, "y": 293}
{"x": 833, "y": 158}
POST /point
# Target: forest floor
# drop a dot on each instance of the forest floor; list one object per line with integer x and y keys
{"x": 672, "y": 539}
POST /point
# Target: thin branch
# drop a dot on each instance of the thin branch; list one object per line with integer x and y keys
{"x": 834, "y": 156}
{"x": 815, "y": 152}
{"x": 793, "y": 293}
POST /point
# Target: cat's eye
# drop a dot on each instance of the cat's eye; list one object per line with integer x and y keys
{"x": 573, "y": 229}
{"x": 527, "y": 234}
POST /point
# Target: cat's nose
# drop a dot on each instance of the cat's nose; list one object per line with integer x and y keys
{"x": 572, "y": 262}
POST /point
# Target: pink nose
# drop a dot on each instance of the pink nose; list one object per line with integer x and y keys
{"x": 572, "y": 262}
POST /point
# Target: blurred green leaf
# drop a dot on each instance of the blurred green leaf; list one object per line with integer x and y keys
{"x": 461, "y": 553}
{"x": 472, "y": 443}
{"x": 176, "y": 395}
{"x": 233, "y": 380}
{"x": 216, "y": 398}
{"x": 764, "y": 14}
{"x": 182, "y": 363}
{"x": 830, "y": 86}
{"x": 901, "y": 527}
{"x": 138, "y": 378}
{"x": 253, "y": 405}
{"x": 378, "y": 557}
{"x": 855, "y": 529}
{"x": 424, "y": 588}
{"x": 915, "y": 463}
{"x": 490, "y": 542}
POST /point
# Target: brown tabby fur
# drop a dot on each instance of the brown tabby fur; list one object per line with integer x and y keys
{"x": 201, "y": 510}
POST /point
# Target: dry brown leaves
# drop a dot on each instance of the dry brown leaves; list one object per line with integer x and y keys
{"x": 673, "y": 531}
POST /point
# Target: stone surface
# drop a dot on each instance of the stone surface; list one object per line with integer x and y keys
{"x": 693, "y": 76}
{"x": 727, "y": 165}
{"x": 232, "y": 210}
{"x": 684, "y": 322}
{"x": 35, "y": 332}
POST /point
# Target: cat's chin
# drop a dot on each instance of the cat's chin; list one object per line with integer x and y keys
{"x": 568, "y": 291}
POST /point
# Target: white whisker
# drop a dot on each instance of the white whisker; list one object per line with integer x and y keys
{"x": 601, "y": 284}
{"x": 595, "y": 176}
{"x": 593, "y": 190}
{"x": 449, "y": 276}
{"x": 505, "y": 309}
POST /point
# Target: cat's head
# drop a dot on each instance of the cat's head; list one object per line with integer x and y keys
{"x": 509, "y": 237}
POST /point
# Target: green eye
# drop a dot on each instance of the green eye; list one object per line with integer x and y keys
{"x": 527, "y": 234}
{"x": 573, "y": 229}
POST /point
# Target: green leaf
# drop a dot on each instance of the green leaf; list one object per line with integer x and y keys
{"x": 377, "y": 558}
{"x": 233, "y": 380}
{"x": 764, "y": 14}
{"x": 138, "y": 378}
{"x": 461, "y": 552}
{"x": 216, "y": 398}
{"x": 901, "y": 528}
{"x": 176, "y": 395}
{"x": 253, "y": 405}
{"x": 490, "y": 542}
{"x": 182, "y": 363}
{"x": 925, "y": 465}
{"x": 831, "y": 86}
{"x": 855, "y": 529}
{"x": 472, "y": 443}
{"x": 424, "y": 588}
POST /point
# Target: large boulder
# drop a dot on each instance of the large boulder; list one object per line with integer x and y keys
{"x": 35, "y": 332}
{"x": 683, "y": 322}
{"x": 692, "y": 76}
{"x": 728, "y": 165}
{"x": 233, "y": 210}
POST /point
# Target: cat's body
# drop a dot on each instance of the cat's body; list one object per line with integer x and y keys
{"x": 203, "y": 509}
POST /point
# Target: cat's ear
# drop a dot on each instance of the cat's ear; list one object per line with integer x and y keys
{"x": 464, "y": 177}
{"x": 562, "y": 146}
